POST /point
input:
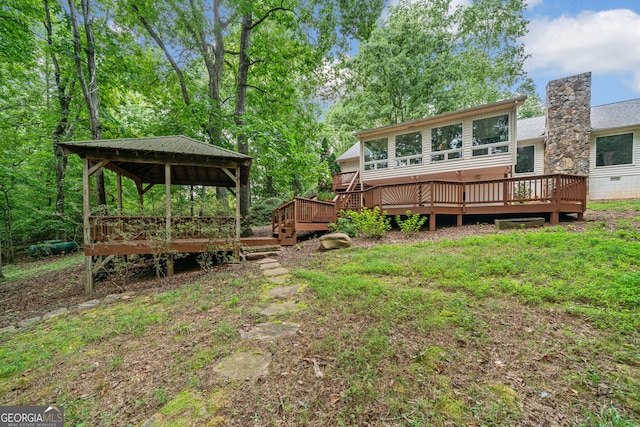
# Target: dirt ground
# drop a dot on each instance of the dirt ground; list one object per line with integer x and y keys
{"x": 38, "y": 295}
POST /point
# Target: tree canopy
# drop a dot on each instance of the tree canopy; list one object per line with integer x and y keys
{"x": 427, "y": 57}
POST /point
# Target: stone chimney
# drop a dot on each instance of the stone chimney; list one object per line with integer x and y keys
{"x": 568, "y": 125}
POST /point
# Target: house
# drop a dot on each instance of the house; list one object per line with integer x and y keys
{"x": 602, "y": 143}
{"x": 482, "y": 160}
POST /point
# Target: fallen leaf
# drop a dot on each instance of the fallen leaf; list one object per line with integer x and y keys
{"x": 334, "y": 398}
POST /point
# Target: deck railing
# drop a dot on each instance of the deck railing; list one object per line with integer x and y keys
{"x": 461, "y": 194}
{"x": 301, "y": 210}
{"x": 118, "y": 228}
{"x": 345, "y": 180}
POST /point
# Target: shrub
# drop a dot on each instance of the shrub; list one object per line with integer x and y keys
{"x": 370, "y": 222}
{"x": 261, "y": 210}
{"x": 412, "y": 223}
{"x": 344, "y": 225}
{"x": 326, "y": 196}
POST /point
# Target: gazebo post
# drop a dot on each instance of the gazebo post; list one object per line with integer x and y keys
{"x": 140, "y": 197}
{"x": 86, "y": 211}
{"x": 238, "y": 220}
{"x": 167, "y": 183}
{"x": 119, "y": 193}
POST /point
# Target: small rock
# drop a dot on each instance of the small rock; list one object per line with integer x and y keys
{"x": 544, "y": 394}
{"x": 151, "y": 422}
{"x": 88, "y": 304}
{"x": 28, "y": 322}
{"x": 111, "y": 298}
{"x": 335, "y": 241}
{"x": 55, "y": 313}
{"x": 8, "y": 330}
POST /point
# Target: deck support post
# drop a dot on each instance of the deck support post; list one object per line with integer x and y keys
{"x": 459, "y": 220}
{"x": 432, "y": 221}
{"x": 86, "y": 231}
{"x": 167, "y": 183}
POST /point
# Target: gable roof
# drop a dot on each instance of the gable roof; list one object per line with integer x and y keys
{"x": 192, "y": 161}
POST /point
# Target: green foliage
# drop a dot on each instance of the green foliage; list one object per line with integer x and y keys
{"x": 261, "y": 210}
{"x": 616, "y": 205}
{"x": 372, "y": 223}
{"x": 426, "y": 58}
{"x": 412, "y": 222}
{"x": 345, "y": 225}
{"x": 608, "y": 417}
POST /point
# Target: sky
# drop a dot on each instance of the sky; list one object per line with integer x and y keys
{"x": 568, "y": 37}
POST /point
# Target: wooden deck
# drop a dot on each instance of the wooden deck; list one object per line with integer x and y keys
{"x": 139, "y": 235}
{"x": 542, "y": 194}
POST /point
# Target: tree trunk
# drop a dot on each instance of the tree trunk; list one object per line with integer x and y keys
{"x": 156, "y": 37}
{"x": 241, "y": 104}
{"x": 1, "y": 275}
{"x": 8, "y": 227}
{"x": 65, "y": 94}
{"x": 90, "y": 90}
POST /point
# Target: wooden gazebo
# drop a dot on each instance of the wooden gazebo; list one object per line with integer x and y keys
{"x": 170, "y": 160}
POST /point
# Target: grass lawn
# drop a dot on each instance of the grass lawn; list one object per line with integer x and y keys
{"x": 520, "y": 328}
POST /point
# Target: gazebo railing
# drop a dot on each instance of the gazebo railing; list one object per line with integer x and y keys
{"x": 120, "y": 228}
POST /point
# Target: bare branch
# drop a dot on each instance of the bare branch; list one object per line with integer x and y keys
{"x": 156, "y": 37}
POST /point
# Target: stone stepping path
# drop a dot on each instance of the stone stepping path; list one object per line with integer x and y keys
{"x": 243, "y": 366}
{"x": 269, "y": 330}
{"x": 246, "y": 366}
{"x": 284, "y": 291}
{"x": 279, "y": 308}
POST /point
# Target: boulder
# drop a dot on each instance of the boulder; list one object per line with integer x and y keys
{"x": 335, "y": 241}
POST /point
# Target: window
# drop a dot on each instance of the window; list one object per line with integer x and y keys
{"x": 375, "y": 154}
{"x": 614, "y": 150}
{"x": 493, "y": 134}
{"x": 525, "y": 162}
{"x": 409, "y": 149}
{"x": 446, "y": 142}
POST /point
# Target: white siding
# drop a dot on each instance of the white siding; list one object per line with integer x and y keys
{"x": 350, "y": 165}
{"x": 619, "y": 181}
{"x": 467, "y": 162}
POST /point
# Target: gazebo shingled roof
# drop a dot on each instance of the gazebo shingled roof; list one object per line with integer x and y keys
{"x": 142, "y": 159}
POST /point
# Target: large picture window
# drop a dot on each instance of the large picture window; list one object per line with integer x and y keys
{"x": 446, "y": 142}
{"x": 376, "y": 153}
{"x": 525, "y": 162}
{"x": 614, "y": 150}
{"x": 491, "y": 135}
{"x": 409, "y": 149}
